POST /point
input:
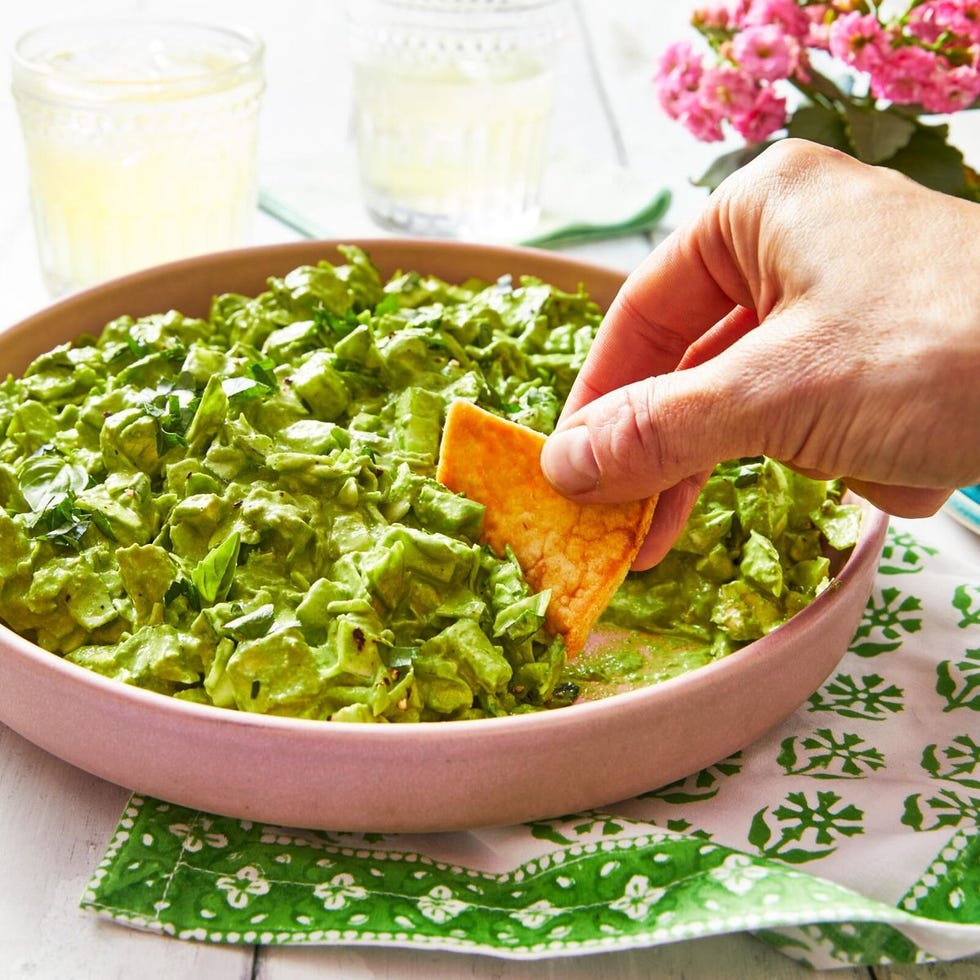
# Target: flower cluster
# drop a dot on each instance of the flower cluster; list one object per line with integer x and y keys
{"x": 930, "y": 57}
{"x": 763, "y": 53}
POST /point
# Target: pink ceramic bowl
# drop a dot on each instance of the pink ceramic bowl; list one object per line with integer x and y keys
{"x": 417, "y": 777}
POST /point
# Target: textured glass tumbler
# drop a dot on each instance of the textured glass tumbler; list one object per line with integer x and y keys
{"x": 453, "y": 102}
{"x": 141, "y": 139}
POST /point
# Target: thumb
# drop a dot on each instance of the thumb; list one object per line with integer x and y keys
{"x": 651, "y": 435}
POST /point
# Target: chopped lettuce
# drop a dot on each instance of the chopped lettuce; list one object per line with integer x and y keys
{"x": 241, "y": 510}
{"x": 755, "y": 551}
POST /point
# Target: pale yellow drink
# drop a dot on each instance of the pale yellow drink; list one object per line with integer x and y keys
{"x": 141, "y": 140}
{"x": 453, "y": 103}
{"x": 449, "y": 152}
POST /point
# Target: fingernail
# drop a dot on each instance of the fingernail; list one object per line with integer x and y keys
{"x": 569, "y": 463}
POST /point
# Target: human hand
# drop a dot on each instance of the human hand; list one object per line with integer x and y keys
{"x": 819, "y": 311}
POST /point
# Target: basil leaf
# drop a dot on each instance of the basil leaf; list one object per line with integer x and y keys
{"x": 245, "y": 388}
{"x": 252, "y": 624}
{"x": 390, "y": 304}
{"x": 213, "y": 576}
{"x": 64, "y": 523}
{"x": 61, "y": 524}
{"x": 332, "y": 326}
{"x": 47, "y": 480}
{"x": 263, "y": 371}
{"x": 172, "y": 409}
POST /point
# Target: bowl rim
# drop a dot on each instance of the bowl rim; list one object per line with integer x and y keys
{"x": 873, "y": 525}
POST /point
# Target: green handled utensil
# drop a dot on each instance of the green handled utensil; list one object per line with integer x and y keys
{"x": 644, "y": 220}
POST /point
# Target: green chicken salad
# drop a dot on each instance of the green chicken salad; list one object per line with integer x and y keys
{"x": 241, "y": 510}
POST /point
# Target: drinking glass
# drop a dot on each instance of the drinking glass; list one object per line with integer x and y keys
{"x": 453, "y": 101}
{"x": 140, "y": 137}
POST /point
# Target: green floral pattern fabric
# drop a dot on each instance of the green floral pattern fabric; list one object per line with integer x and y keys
{"x": 847, "y": 836}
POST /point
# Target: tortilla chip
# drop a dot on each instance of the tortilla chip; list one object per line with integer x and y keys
{"x": 581, "y": 552}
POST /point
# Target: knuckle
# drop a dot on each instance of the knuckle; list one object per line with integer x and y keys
{"x": 651, "y": 338}
{"x": 631, "y": 446}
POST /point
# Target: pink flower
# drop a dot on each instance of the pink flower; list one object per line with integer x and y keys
{"x": 678, "y": 74}
{"x": 950, "y": 89}
{"x": 712, "y": 16}
{"x": 951, "y": 31}
{"x": 958, "y": 18}
{"x": 765, "y": 52}
{"x": 926, "y": 59}
{"x": 680, "y": 67}
{"x": 787, "y": 15}
{"x": 703, "y": 121}
{"x": 678, "y": 79}
{"x": 858, "y": 40}
{"x": 701, "y": 96}
{"x": 819, "y": 17}
{"x": 727, "y": 90}
{"x": 766, "y": 116}
{"x": 962, "y": 89}
{"x": 923, "y": 62}
{"x": 959, "y": 89}
{"x": 907, "y": 75}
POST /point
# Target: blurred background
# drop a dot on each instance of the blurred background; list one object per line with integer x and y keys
{"x": 611, "y": 147}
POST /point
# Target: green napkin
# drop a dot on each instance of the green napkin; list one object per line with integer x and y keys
{"x": 847, "y": 836}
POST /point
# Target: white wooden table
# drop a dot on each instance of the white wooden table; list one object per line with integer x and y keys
{"x": 55, "y": 820}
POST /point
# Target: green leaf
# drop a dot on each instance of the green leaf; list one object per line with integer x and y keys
{"x": 213, "y": 576}
{"x": 912, "y": 814}
{"x": 390, "y": 304}
{"x": 797, "y": 855}
{"x": 47, "y": 480}
{"x": 263, "y": 371}
{"x": 821, "y": 85}
{"x": 182, "y": 588}
{"x": 245, "y": 389}
{"x": 61, "y": 524}
{"x": 787, "y": 753}
{"x": 877, "y": 135}
{"x": 252, "y": 624}
{"x": 929, "y": 160}
{"x": 331, "y": 326}
{"x": 759, "y": 832}
{"x": 728, "y": 163}
{"x": 172, "y": 409}
{"x": 137, "y": 347}
{"x": 820, "y": 124}
{"x": 644, "y": 220}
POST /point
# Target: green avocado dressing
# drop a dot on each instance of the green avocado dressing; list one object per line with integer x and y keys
{"x": 241, "y": 510}
{"x": 617, "y": 660}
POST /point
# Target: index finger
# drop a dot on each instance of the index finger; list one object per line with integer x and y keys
{"x": 666, "y": 304}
